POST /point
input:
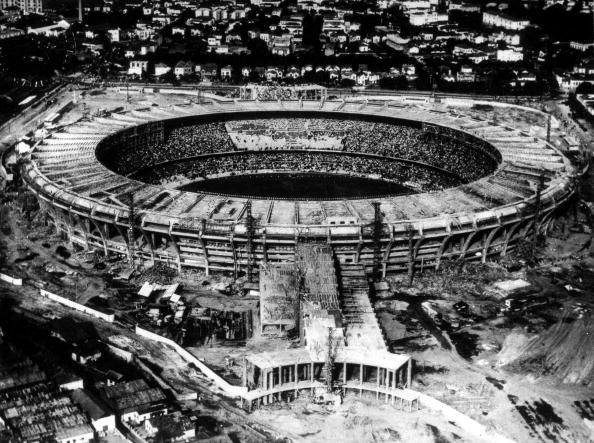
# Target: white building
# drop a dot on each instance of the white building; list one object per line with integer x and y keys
{"x": 179, "y": 30}
{"x": 161, "y": 68}
{"x": 51, "y": 30}
{"x": 466, "y": 74}
{"x": 499, "y": 20}
{"x": 427, "y": 18}
{"x": 26, "y": 6}
{"x": 114, "y": 34}
{"x": 581, "y": 46}
{"x": 509, "y": 55}
{"x": 226, "y": 72}
{"x": 76, "y": 434}
{"x": 137, "y": 67}
{"x": 569, "y": 83}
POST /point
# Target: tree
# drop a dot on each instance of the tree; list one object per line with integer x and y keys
{"x": 169, "y": 77}
{"x": 347, "y": 83}
{"x": 387, "y": 83}
{"x": 401, "y": 82}
{"x": 258, "y": 49}
{"x": 584, "y": 88}
{"x": 254, "y": 76}
{"x": 321, "y": 77}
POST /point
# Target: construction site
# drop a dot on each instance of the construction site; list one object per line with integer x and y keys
{"x": 458, "y": 308}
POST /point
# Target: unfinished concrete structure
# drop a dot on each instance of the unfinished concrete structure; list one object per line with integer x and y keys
{"x": 279, "y": 299}
{"x": 343, "y": 345}
{"x": 272, "y": 376}
{"x": 483, "y": 218}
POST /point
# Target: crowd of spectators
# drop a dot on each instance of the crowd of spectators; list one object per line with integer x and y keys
{"x": 283, "y": 127}
{"x": 417, "y": 177}
{"x": 275, "y": 93}
{"x": 424, "y": 145}
{"x": 419, "y": 145}
{"x": 182, "y": 142}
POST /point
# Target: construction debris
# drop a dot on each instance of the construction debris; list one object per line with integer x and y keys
{"x": 563, "y": 351}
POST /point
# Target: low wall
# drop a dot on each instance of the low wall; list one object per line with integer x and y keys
{"x": 128, "y": 357}
{"x": 82, "y": 308}
{"x": 11, "y": 280}
{"x": 234, "y": 391}
{"x": 463, "y": 421}
{"x": 216, "y": 97}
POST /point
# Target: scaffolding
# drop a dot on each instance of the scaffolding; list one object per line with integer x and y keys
{"x": 249, "y": 228}
{"x": 377, "y": 247}
{"x": 549, "y": 128}
{"x": 131, "y": 222}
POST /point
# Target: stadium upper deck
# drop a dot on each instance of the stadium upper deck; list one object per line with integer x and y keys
{"x": 484, "y": 217}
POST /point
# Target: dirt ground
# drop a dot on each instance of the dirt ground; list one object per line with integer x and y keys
{"x": 359, "y": 420}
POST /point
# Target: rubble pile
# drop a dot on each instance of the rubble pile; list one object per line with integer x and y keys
{"x": 159, "y": 273}
{"x": 456, "y": 278}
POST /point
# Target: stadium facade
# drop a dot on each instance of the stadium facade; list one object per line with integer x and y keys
{"x": 485, "y": 217}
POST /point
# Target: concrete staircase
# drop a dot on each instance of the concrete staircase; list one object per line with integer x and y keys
{"x": 362, "y": 326}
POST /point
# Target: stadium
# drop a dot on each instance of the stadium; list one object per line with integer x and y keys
{"x": 403, "y": 183}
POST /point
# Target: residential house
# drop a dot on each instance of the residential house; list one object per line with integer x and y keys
{"x": 293, "y": 73}
{"x": 134, "y": 401}
{"x": 348, "y": 74}
{"x": 210, "y": 70}
{"x": 161, "y": 68}
{"x": 466, "y": 74}
{"x": 138, "y": 67}
{"x": 183, "y": 68}
{"x": 226, "y": 72}
{"x": 273, "y": 73}
{"x": 178, "y": 30}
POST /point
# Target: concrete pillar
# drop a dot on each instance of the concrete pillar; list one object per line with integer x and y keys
{"x": 387, "y": 378}
{"x": 393, "y": 385}
{"x": 361, "y": 374}
{"x": 377, "y": 382}
{"x": 344, "y": 373}
{"x": 296, "y": 374}
{"x": 409, "y": 374}
{"x": 312, "y": 372}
